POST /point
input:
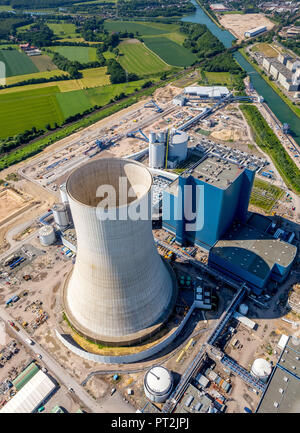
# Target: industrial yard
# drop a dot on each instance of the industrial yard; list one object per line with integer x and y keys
{"x": 238, "y": 24}
{"x": 208, "y": 344}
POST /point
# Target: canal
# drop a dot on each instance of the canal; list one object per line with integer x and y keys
{"x": 276, "y": 104}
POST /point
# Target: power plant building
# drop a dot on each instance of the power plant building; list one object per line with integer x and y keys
{"x": 120, "y": 291}
{"x": 216, "y": 191}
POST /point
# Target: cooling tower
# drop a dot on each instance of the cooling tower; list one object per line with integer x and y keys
{"x": 120, "y": 291}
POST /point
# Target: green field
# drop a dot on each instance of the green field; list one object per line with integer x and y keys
{"x": 170, "y": 51}
{"x": 63, "y": 30}
{"x": 45, "y": 74}
{"x": 73, "y": 102}
{"x": 23, "y": 110}
{"x": 131, "y": 59}
{"x": 264, "y": 195}
{"x": 17, "y": 63}
{"x": 143, "y": 28}
{"x": 81, "y": 54}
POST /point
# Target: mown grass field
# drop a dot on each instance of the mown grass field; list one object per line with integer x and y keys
{"x": 210, "y": 78}
{"x": 139, "y": 59}
{"x": 73, "y": 102}
{"x": 17, "y": 63}
{"x": 169, "y": 51}
{"x": 63, "y": 30}
{"x": 23, "y": 110}
{"x": 265, "y": 49}
{"x": 135, "y": 26}
{"x": 81, "y": 54}
{"x": 264, "y": 195}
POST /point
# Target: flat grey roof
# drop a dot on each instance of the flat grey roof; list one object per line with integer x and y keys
{"x": 283, "y": 392}
{"x": 253, "y": 251}
{"x": 204, "y": 400}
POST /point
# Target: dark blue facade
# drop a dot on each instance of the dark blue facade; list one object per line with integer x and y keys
{"x": 214, "y": 208}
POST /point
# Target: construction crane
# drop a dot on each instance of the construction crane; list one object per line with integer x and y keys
{"x": 133, "y": 135}
{"x": 152, "y": 104}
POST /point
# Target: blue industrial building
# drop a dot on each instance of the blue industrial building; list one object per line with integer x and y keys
{"x": 216, "y": 191}
{"x": 208, "y": 206}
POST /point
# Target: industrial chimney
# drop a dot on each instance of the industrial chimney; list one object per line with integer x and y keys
{"x": 120, "y": 291}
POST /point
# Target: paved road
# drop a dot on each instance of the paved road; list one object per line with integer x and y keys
{"x": 109, "y": 404}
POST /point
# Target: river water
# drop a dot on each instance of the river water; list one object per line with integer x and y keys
{"x": 276, "y": 104}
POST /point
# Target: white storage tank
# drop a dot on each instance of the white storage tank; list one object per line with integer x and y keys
{"x": 261, "y": 369}
{"x": 47, "y": 235}
{"x": 161, "y": 136}
{"x": 63, "y": 193}
{"x": 158, "y": 384}
{"x": 243, "y": 309}
{"x": 178, "y": 145}
{"x": 152, "y": 137}
{"x": 156, "y": 155}
{"x": 60, "y": 214}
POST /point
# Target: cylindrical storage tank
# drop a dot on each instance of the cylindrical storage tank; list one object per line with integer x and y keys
{"x": 47, "y": 235}
{"x": 63, "y": 193}
{"x": 243, "y": 309}
{"x": 261, "y": 369}
{"x": 158, "y": 384}
{"x": 161, "y": 136}
{"x": 60, "y": 214}
{"x": 152, "y": 137}
{"x": 120, "y": 291}
{"x": 156, "y": 155}
{"x": 178, "y": 145}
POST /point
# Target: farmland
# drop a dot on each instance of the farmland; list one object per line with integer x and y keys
{"x": 170, "y": 51}
{"x": 81, "y": 54}
{"x": 265, "y": 195}
{"x": 45, "y": 74}
{"x": 142, "y": 28}
{"x": 43, "y": 63}
{"x": 17, "y": 63}
{"x": 23, "y": 110}
{"x": 63, "y": 30}
{"x": 73, "y": 102}
{"x": 139, "y": 59}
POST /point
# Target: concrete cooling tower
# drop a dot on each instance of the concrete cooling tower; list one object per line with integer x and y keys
{"x": 120, "y": 291}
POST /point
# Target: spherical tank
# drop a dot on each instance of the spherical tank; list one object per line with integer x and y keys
{"x": 158, "y": 384}
{"x": 120, "y": 290}
{"x": 243, "y": 309}
{"x": 178, "y": 145}
{"x": 47, "y": 235}
{"x": 261, "y": 369}
{"x": 60, "y": 214}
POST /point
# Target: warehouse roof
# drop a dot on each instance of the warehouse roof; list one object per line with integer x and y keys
{"x": 283, "y": 391}
{"x": 31, "y": 395}
{"x": 207, "y": 91}
{"x": 254, "y": 251}
{"x": 25, "y": 375}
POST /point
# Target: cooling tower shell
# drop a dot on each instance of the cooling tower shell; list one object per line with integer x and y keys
{"x": 120, "y": 291}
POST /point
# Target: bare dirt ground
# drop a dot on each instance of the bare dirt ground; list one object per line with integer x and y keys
{"x": 238, "y": 24}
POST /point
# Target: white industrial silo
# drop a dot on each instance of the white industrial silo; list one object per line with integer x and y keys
{"x": 152, "y": 137}
{"x": 47, "y": 235}
{"x": 120, "y": 290}
{"x": 178, "y": 145}
{"x": 261, "y": 369}
{"x": 161, "y": 136}
{"x": 63, "y": 193}
{"x": 158, "y": 384}
{"x": 156, "y": 155}
{"x": 243, "y": 309}
{"x": 60, "y": 214}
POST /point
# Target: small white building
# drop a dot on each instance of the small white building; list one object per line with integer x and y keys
{"x": 282, "y": 342}
{"x": 256, "y": 31}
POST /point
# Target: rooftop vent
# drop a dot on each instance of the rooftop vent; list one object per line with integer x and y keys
{"x": 286, "y": 379}
{"x": 276, "y": 404}
{"x": 281, "y": 390}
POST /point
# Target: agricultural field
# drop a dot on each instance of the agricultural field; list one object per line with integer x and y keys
{"x": 63, "y": 30}
{"x": 45, "y": 74}
{"x": 144, "y": 28}
{"x": 81, "y": 54}
{"x": 43, "y": 63}
{"x": 17, "y": 63}
{"x": 265, "y": 49}
{"x": 23, "y": 110}
{"x": 94, "y": 77}
{"x": 73, "y": 102}
{"x": 169, "y": 51}
{"x": 138, "y": 59}
{"x": 264, "y": 195}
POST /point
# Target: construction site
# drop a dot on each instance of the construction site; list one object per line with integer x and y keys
{"x": 216, "y": 328}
